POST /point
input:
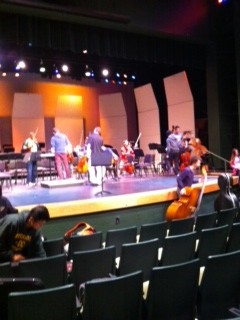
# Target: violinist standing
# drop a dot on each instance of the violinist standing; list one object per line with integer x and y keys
{"x": 59, "y": 145}
{"x": 31, "y": 146}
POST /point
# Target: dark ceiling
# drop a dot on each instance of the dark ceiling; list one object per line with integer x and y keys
{"x": 187, "y": 18}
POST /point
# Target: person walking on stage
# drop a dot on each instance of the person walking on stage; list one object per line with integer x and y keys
{"x": 20, "y": 236}
{"x": 59, "y": 145}
{"x": 95, "y": 145}
{"x": 30, "y": 146}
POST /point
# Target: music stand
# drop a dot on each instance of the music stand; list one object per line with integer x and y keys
{"x": 101, "y": 159}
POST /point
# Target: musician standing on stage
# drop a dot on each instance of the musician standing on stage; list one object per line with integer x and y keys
{"x": 95, "y": 145}
{"x": 126, "y": 150}
{"x": 31, "y": 145}
{"x": 174, "y": 146}
{"x": 59, "y": 145}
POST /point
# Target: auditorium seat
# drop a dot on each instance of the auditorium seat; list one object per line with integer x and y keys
{"x": 139, "y": 256}
{"x": 220, "y": 286}
{"x": 51, "y": 270}
{"x": 178, "y": 249}
{"x": 226, "y": 216}
{"x": 211, "y": 241}
{"x": 179, "y": 226}
{"x": 172, "y": 292}
{"x": 53, "y": 247}
{"x": 233, "y": 243}
{"x": 55, "y": 304}
{"x": 205, "y": 221}
{"x": 92, "y": 264}
{"x": 118, "y": 298}
{"x": 154, "y": 230}
{"x": 83, "y": 243}
{"x": 117, "y": 237}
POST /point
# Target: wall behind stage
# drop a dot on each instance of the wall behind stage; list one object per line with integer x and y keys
{"x": 50, "y": 90}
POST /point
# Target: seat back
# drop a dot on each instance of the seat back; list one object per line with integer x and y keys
{"x": 172, "y": 291}
{"x": 154, "y": 230}
{"x": 205, "y": 221}
{"x": 51, "y": 270}
{"x": 226, "y": 216}
{"x": 55, "y": 304}
{"x": 13, "y": 284}
{"x": 92, "y": 264}
{"x": 53, "y": 247}
{"x": 179, "y": 248}
{"x": 220, "y": 286}
{"x": 233, "y": 243}
{"x": 116, "y": 298}
{"x": 83, "y": 243}
{"x": 212, "y": 241}
{"x": 117, "y": 237}
{"x": 178, "y": 226}
{"x": 7, "y": 270}
{"x": 139, "y": 256}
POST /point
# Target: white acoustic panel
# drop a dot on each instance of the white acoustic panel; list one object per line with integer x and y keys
{"x": 180, "y": 102}
{"x": 148, "y": 117}
{"x": 27, "y": 105}
{"x": 113, "y": 119}
{"x": 177, "y": 88}
{"x": 73, "y": 128}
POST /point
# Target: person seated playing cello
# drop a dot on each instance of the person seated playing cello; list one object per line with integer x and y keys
{"x": 126, "y": 153}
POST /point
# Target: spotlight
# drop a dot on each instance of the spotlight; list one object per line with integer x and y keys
{"x": 65, "y": 68}
{"x": 20, "y": 65}
{"x": 88, "y": 72}
{"x": 105, "y": 72}
{"x": 42, "y": 67}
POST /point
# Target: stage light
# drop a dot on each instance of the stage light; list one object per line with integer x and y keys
{"x": 125, "y": 76}
{"x": 117, "y": 74}
{"x": 58, "y": 76}
{"x": 133, "y": 77}
{"x": 105, "y": 72}
{"x": 88, "y": 72}
{"x": 4, "y": 74}
{"x": 65, "y": 68}
{"x": 17, "y": 75}
{"x": 20, "y": 65}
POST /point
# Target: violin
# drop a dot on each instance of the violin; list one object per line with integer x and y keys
{"x": 184, "y": 160}
{"x": 188, "y": 203}
{"x": 82, "y": 166}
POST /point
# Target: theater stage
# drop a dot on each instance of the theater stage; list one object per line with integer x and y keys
{"x": 77, "y": 197}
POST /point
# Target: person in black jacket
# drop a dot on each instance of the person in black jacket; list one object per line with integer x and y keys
{"x": 20, "y": 236}
{"x": 5, "y": 206}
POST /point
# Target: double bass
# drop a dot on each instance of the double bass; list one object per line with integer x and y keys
{"x": 189, "y": 203}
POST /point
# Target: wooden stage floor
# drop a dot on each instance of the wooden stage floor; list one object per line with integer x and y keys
{"x": 76, "y": 197}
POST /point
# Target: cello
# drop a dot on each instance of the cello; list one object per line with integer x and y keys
{"x": 189, "y": 203}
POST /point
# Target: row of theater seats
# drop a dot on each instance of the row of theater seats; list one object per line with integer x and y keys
{"x": 175, "y": 281}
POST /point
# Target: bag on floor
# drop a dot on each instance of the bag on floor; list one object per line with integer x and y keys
{"x": 82, "y": 228}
